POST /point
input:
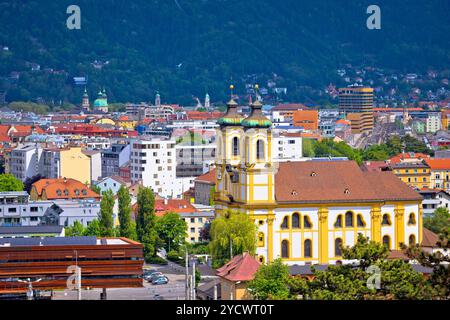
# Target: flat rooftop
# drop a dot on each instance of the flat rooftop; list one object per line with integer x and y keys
{"x": 60, "y": 241}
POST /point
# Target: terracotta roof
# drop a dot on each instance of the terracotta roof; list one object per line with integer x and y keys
{"x": 343, "y": 121}
{"x": 439, "y": 164}
{"x": 408, "y": 155}
{"x": 289, "y": 107}
{"x": 241, "y": 268}
{"x": 374, "y": 165}
{"x": 398, "y": 254}
{"x": 173, "y": 205}
{"x": 337, "y": 181}
{"x": 429, "y": 238}
{"x": 63, "y": 189}
{"x": 209, "y": 177}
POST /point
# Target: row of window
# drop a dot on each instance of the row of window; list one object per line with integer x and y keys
{"x": 338, "y": 245}
{"x": 259, "y": 148}
{"x": 339, "y": 223}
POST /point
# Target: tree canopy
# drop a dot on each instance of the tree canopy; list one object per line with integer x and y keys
{"x": 9, "y": 183}
{"x": 231, "y": 234}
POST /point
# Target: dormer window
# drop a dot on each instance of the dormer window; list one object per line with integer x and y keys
{"x": 294, "y": 193}
{"x": 347, "y": 191}
{"x": 84, "y": 192}
{"x": 66, "y": 192}
{"x": 313, "y": 174}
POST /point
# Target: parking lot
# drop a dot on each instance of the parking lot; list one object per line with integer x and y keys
{"x": 174, "y": 290}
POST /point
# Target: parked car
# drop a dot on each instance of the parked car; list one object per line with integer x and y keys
{"x": 153, "y": 276}
{"x": 160, "y": 280}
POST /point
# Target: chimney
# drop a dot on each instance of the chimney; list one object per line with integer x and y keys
{"x": 166, "y": 202}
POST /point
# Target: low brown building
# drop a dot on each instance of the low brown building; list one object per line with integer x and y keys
{"x": 235, "y": 275}
{"x": 104, "y": 262}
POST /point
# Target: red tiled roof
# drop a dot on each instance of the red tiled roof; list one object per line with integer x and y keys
{"x": 209, "y": 177}
{"x": 429, "y": 238}
{"x": 74, "y": 189}
{"x": 408, "y": 155}
{"x": 337, "y": 181}
{"x": 241, "y": 268}
{"x": 289, "y": 107}
{"x": 439, "y": 164}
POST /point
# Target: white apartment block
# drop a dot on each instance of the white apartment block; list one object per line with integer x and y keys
{"x": 153, "y": 161}
{"x": 433, "y": 123}
{"x": 25, "y": 161}
{"x": 287, "y": 147}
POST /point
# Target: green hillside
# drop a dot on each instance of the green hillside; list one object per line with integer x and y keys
{"x": 303, "y": 42}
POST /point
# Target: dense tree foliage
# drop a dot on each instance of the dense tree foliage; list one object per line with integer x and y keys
{"x": 172, "y": 230}
{"x": 145, "y": 221}
{"x": 439, "y": 221}
{"x": 398, "y": 280}
{"x": 9, "y": 183}
{"x": 231, "y": 234}
{"x": 106, "y": 214}
{"x": 126, "y": 228}
{"x": 184, "y": 48}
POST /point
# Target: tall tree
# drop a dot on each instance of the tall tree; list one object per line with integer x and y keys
{"x": 106, "y": 214}
{"x": 76, "y": 230}
{"x": 231, "y": 234}
{"x": 172, "y": 229}
{"x": 93, "y": 229}
{"x": 124, "y": 199}
{"x": 271, "y": 282}
{"x": 439, "y": 221}
{"x": 9, "y": 183}
{"x": 145, "y": 221}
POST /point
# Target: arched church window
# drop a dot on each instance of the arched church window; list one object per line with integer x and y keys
{"x": 307, "y": 249}
{"x": 296, "y": 220}
{"x": 306, "y": 222}
{"x": 235, "y": 146}
{"x": 285, "y": 249}
{"x": 349, "y": 219}
{"x": 337, "y": 247}
{"x": 360, "y": 221}
{"x": 387, "y": 241}
{"x": 260, "y": 149}
{"x": 285, "y": 224}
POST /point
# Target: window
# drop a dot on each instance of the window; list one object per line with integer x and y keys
{"x": 360, "y": 221}
{"x": 412, "y": 219}
{"x": 386, "y": 220}
{"x": 285, "y": 249}
{"x": 412, "y": 240}
{"x": 261, "y": 259}
{"x": 192, "y": 220}
{"x": 307, "y": 249}
{"x": 349, "y": 219}
{"x": 261, "y": 239}
{"x": 387, "y": 242}
{"x": 338, "y": 223}
{"x": 285, "y": 224}
{"x": 192, "y": 230}
{"x": 235, "y": 146}
{"x": 260, "y": 150}
{"x": 337, "y": 247}
{"x": 306, "y": 222}
{"x": 296, "y": 220}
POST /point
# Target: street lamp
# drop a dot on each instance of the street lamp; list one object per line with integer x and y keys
{"x": 30, "y": 287}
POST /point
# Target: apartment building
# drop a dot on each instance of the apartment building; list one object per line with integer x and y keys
{"x": 25, "y": 161}
{"x": 153, "y": 162}
{"x": 433, "y": 122}
{"x": 72, "y": 162}
{"x": 287, "y": 147}
{"x": 115, "y": 157}
{"x": 16, "y": 209}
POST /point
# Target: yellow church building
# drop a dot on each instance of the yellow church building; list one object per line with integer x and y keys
{"x": 306, "y": 210}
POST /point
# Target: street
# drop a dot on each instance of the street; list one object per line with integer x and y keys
{"x": 174, "y": 290}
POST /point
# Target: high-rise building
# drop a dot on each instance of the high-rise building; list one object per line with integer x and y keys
{"x": 359, "y": 101}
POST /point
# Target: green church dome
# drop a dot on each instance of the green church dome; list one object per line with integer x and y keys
{"x": 256, "y": 119}
{"x": 100, "y": 103}
{"x": 231, "y": 117}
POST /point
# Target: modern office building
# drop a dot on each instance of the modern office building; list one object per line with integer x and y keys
{"x": 358, "y": 100}
{"x": 104, "y": 262}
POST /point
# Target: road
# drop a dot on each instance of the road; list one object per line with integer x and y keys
{"x": 174, "y": 290}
